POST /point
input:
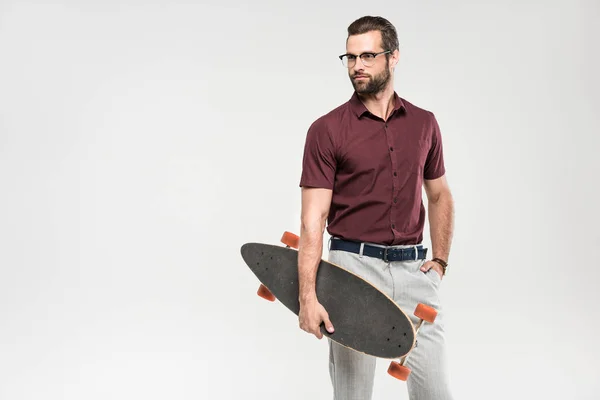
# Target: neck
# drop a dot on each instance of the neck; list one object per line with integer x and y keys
{"x": 380, "y": 104}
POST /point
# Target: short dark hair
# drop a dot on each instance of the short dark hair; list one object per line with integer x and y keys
{"x": 368, "y": 23}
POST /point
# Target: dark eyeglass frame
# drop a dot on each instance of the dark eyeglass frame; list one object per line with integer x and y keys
{"x": 353, "y": 61}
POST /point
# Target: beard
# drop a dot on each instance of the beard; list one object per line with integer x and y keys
{"x": 373, "y": 84}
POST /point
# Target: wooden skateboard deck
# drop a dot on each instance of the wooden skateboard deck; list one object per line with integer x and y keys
{"x": 365, "y": 319}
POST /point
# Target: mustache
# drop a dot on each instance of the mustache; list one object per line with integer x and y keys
{"x": 361, "y": 75}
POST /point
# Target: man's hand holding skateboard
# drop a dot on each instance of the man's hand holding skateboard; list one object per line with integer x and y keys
{"x": 312, "y": 313}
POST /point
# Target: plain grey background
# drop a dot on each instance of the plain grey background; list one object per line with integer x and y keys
{"x": 142, "y": 143}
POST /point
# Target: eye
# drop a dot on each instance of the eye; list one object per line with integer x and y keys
{"x": 368, "y": 56}
{"x": 351, "y": 57}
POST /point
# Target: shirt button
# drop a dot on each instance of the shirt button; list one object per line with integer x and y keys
{"x": 393, "y": 226}
{"x": 395, "y": 200}
{"x": 395, "y": 174}
{"x": 391, "y": 149}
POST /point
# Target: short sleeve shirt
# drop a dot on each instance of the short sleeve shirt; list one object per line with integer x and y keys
{"x": 375, "y": 169}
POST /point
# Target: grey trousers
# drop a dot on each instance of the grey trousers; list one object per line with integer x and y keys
{"x": 352, "y": 373}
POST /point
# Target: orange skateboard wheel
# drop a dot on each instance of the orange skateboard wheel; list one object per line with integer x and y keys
{"x": 265, "y": 293}
{"x": 290, "y": 239}
{"x": 398, "y": 371}
{"x": 426, "y": 313}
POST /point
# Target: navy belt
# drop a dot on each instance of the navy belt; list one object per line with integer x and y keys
{"x": 387, "y": 254}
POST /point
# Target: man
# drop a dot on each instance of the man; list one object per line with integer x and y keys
{"x": 365, "y": 164}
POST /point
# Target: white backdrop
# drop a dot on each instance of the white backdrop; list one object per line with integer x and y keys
{"x": 142, "y": 143}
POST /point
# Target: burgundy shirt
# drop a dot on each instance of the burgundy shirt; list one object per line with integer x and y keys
{"x": 375, "y": 169}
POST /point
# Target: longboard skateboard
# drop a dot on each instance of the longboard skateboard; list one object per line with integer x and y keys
{"x": 365, "y": 319}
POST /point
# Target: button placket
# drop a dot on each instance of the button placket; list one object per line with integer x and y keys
{"x": 394, "y": 198}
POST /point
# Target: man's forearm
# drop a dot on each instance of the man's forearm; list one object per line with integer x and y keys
{"x": 441, "y": 223}
{"x": 309, "y": 257}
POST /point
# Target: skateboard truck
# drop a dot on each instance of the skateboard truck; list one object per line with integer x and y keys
{"x": 398, "y": 369}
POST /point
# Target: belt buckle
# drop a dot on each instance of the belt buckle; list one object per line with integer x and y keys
{"x": 416, "y": 253}
{"x": 385, "y": 254}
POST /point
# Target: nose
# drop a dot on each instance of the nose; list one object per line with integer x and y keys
{"x": 358, "y": 65}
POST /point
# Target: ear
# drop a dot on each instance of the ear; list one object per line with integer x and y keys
{"x": 395, "y": 58}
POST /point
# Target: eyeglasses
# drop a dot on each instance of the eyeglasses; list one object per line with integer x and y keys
{"x": 368, "y": 59}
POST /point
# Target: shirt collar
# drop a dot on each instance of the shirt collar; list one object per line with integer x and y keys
{"x": 359, "y": 108}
